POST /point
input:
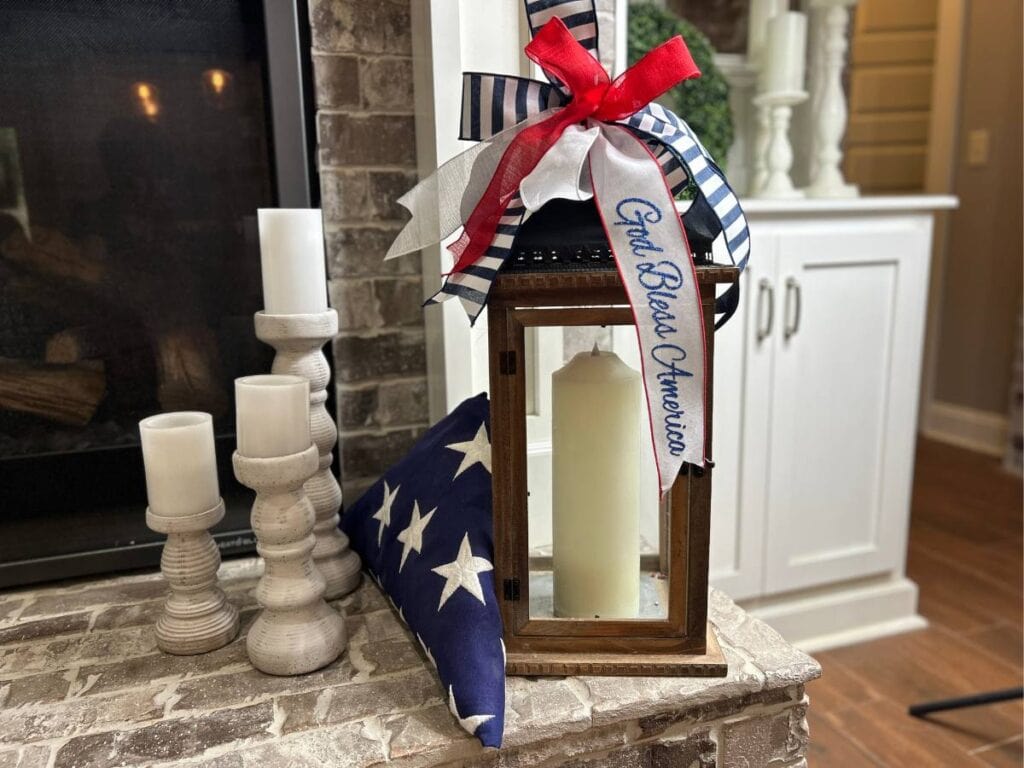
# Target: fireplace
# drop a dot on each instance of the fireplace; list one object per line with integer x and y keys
{"x": 137, "y": 140}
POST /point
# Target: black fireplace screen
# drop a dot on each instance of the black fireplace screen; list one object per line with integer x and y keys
{"x": 134, "y": 152}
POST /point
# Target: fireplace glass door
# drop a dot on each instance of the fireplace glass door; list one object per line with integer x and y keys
{"x": 135, "y": 148}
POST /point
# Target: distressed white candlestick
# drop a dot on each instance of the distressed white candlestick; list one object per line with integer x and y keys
{"x": 779, "y": 157}
{"x": 184, "y": 503}
{"x": 298, "y": 340}
{"x": 296, "y": 632}
{"x": 830, "y": 113}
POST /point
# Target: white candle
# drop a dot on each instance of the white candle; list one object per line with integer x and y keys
{"x": 292, "y": 257}
{"x": 272, "y": 415}
{"x": 596, "y": 400}
{"x": 783, "y": 70}
{"x": 180, "y": 462}
{"x": 757, "y": 25}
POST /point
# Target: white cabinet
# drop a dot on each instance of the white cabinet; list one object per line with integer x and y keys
{"x": 816, "y": 391}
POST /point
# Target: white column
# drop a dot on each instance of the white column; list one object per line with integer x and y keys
{"x": 830, "y": 112}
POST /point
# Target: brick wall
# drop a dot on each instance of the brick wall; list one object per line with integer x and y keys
{"x": 367, "y": 153}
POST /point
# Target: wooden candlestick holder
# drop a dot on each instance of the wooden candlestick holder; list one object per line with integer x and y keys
{"x": 298, "y": 340}
{"x": 297, "y": 631}
{"x": 197, "y": 617}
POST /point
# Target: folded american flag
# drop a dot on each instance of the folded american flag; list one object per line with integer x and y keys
{"x": 425, "y": 534}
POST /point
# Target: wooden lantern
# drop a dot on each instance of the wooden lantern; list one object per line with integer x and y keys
{"x": 678, "y": 643}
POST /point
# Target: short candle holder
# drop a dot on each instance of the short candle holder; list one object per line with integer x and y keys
{"x": 296, "y": 632}
{"x": 779, "y": 157}
{"x": 298, "y": 340}
{"x": 197, "y": 617}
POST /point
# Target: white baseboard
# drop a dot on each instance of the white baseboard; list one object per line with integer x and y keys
{"x": 970, "y": 428}
{"x": 843, "y": 614}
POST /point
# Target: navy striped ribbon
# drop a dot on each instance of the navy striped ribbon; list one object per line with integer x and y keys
{"x": 492, "y": 103}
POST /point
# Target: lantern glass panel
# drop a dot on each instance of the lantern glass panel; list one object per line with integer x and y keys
{"x": 596, "y": 526}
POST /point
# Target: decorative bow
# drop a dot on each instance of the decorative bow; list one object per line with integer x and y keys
{"x": 593, "y": 96}
{"x": 586, "y": 136}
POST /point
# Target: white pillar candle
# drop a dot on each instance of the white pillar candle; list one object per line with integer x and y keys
{"x": 786, "y": 48}
{"x": 292, "y": 258}
{"x": 180, "y": 462}
{"x": 272, "y": 415}
{"x": 757, "y": 25}
{"x": 596, "y": 400}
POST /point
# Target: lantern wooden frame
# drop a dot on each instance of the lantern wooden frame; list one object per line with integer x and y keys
{"x": 683, "y": 644}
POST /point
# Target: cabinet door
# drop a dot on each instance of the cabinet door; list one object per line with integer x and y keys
{"x": 740, "y": 426}
{"x": 844, "y": 403}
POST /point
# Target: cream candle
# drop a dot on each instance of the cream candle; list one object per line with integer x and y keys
{"x": 757, "y": 26}
{"x": 272, "y": 415}
{"x": 292, "y": 259}
{"x": 596, "y": 400}
{"x": 180, "y": 463}
{"x": 786, "y": 46}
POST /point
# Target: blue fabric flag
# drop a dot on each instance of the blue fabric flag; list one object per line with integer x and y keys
{"x": 425, "y": 534}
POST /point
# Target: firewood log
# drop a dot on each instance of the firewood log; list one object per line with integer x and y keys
{"x": 64, "y": 393}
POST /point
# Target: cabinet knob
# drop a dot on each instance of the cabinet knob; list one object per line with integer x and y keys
{"x": 765, "y": 292}
{"x": 794, "y": 296}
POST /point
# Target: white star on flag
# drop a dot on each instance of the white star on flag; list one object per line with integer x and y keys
{"x": 471, "y": 723}
{"x": 476, "y": 451}
{"x": 412, "y": 537}
{"x": 463, "y": 572}
{"x": 384, "y": 513}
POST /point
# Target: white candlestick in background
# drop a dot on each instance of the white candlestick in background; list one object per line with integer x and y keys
{"x": 761, "y": 11}
{"x": 292, "y": 258}
{"x": 272, "y": 416}
{"x": 181, "y": 465}
{"x": 785, "y": 52}
{"x": 596, "y": 400}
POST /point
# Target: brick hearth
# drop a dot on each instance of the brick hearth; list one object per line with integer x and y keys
{"x": 83, "y": 684}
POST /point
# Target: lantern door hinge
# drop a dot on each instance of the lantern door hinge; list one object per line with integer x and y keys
{"x": 507, "y": 363}
{"x": 512, "y": 590}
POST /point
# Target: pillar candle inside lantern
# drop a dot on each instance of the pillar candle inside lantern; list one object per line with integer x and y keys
{"x": 273, "y": 415}
{"x": 783, "y": 70}
{"x": 181, "y": 464}
{"x": 596, "y": 401}
{"x": 292, "y": 259}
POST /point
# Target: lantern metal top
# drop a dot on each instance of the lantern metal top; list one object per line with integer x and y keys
{"x": 567, "y": 236}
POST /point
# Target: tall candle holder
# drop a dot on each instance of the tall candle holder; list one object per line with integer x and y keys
{"x": 742, "y": 78}
{"x": 298, "y": 341}
{"x": 830, "y": 114}
{"x": 762, "y": 138}
{"x": 197, "y": 617}
{"x": 296, "y": 632}
{"x": 779, "y": 157}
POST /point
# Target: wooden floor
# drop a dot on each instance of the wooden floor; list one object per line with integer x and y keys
{"x": 965, "y": 555}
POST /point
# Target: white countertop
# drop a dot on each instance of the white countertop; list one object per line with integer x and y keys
{"x": 755, "y": 206}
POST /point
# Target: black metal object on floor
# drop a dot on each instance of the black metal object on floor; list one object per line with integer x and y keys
{"x": 961, "y": 702}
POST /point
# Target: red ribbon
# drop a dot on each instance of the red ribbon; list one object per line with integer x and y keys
{"x": 594, "y": 95}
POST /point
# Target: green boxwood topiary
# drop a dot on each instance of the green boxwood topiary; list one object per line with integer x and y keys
{"x": 704, "y": 102}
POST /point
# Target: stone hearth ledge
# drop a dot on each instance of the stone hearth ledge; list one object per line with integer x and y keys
{"x": 82, "y": 683}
